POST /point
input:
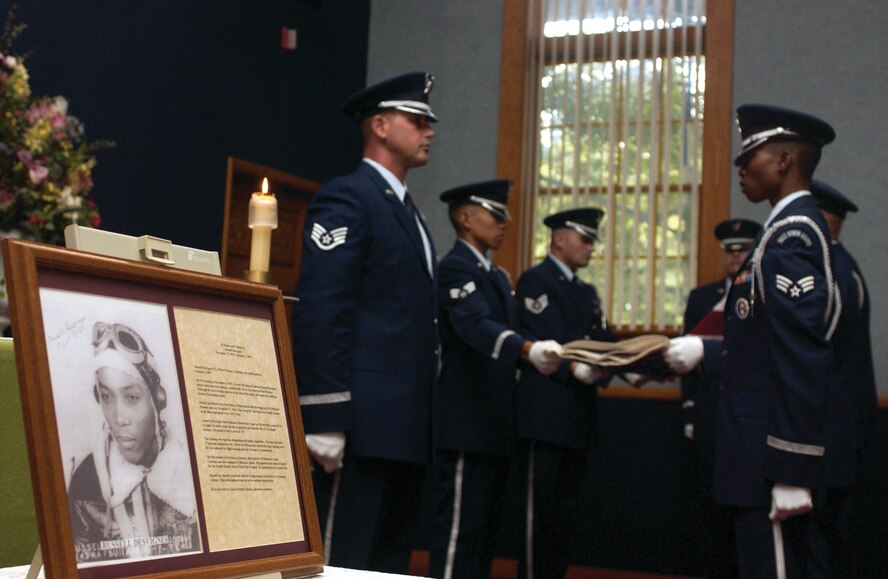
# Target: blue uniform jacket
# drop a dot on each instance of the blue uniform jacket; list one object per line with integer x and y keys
{"x": 699, "y": 389}
{"x": 365, "y": 338}
{"x": 474, "y": 402}
{"x": 777, "y": 366}
{"x": 558, "y": 409}
{"x": 853, "y": 386}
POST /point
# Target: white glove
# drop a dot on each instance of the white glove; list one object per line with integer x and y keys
{"x": 684, "y": 353}
{"x": 636, "y": 379}
{"x": 545, "y": 356}
{"x": 586, "y": 373}
{"x": 788, "y": 501}
{"x": 689, "y": 431}
{"x": 327, "y": 448}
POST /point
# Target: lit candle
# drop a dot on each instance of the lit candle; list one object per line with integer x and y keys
{"x": 263, "y": 218}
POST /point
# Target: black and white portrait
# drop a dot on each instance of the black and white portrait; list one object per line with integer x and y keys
{"x": 121, "y": 427}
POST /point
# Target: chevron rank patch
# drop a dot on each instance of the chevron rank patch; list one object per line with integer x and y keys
{"x": 327, "y": 240}
{"x": 536, "y": 306}
{"x": 794, "y": 289}
{"x": 458, "y": 293}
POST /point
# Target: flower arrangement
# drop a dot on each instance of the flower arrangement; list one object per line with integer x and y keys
{"x": 46, "y": 163}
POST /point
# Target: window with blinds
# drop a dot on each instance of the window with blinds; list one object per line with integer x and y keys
{"x": 616, "y": 116}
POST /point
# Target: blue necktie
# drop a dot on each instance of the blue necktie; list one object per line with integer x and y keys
{"x": 414, "y": 213}
{"x": 409, "y": 205}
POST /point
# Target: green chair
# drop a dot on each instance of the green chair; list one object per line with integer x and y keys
{"x": 18, "y": 523}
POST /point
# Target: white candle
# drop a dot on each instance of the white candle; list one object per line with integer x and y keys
{"x": 262, "y": 219}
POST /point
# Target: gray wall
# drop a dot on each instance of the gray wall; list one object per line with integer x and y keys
{"x": 821, "y": 56}
{"x": 458, "y": 41}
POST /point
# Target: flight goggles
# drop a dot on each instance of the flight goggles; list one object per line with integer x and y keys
{"x": 131, "y": 347}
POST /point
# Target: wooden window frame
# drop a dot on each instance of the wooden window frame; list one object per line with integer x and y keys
{"x": 715, "y": 187}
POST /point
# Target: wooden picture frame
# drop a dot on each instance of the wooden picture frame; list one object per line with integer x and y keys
{"x": 184, "y": 379}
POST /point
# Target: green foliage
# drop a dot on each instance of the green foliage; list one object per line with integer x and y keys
{"x": 600, "y": 145}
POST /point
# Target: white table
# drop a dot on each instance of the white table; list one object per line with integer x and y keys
{"x": 329, "y": 573}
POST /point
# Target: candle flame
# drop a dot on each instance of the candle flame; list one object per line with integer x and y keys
{"x": 264, "y": 185}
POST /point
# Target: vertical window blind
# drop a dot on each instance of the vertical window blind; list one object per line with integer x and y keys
{"x": 615, "y": 110}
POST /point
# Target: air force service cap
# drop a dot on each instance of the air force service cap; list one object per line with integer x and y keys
{"x": 737, "y": 234}
{"x": 831, "y": 199}
{"x": 406, "y": 92}
{"x": 491, "y": 195}
{"x": 583, "y": 220}
{"x": 761, "y": 123}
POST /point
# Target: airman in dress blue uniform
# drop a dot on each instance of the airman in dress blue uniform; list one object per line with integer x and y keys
{"x": 704, "y": 316}
{"x": 852, "y": 396}
{"x": 365, "y": 337}
{"x": 474, "y": 400}
{"x": 557, "y": 414}
{"x": 780, "y": 314}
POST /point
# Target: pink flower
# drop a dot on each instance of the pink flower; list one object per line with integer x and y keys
{"x": 86, "y": 182}
{"x": 36, "y": 172}
{"x": 38, "y": 110}
{"x": 6, "y": 198}
{"x": 57, "y": 120}
{"x": 24, "y": 156}
{"x": 7, "y": 60}
{"x": 95, "y": 220}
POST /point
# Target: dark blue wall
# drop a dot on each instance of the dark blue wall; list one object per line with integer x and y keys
{"x": 181, "y": 85}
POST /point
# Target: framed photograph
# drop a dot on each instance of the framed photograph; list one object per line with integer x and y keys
{"x": 162, "y": 420}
